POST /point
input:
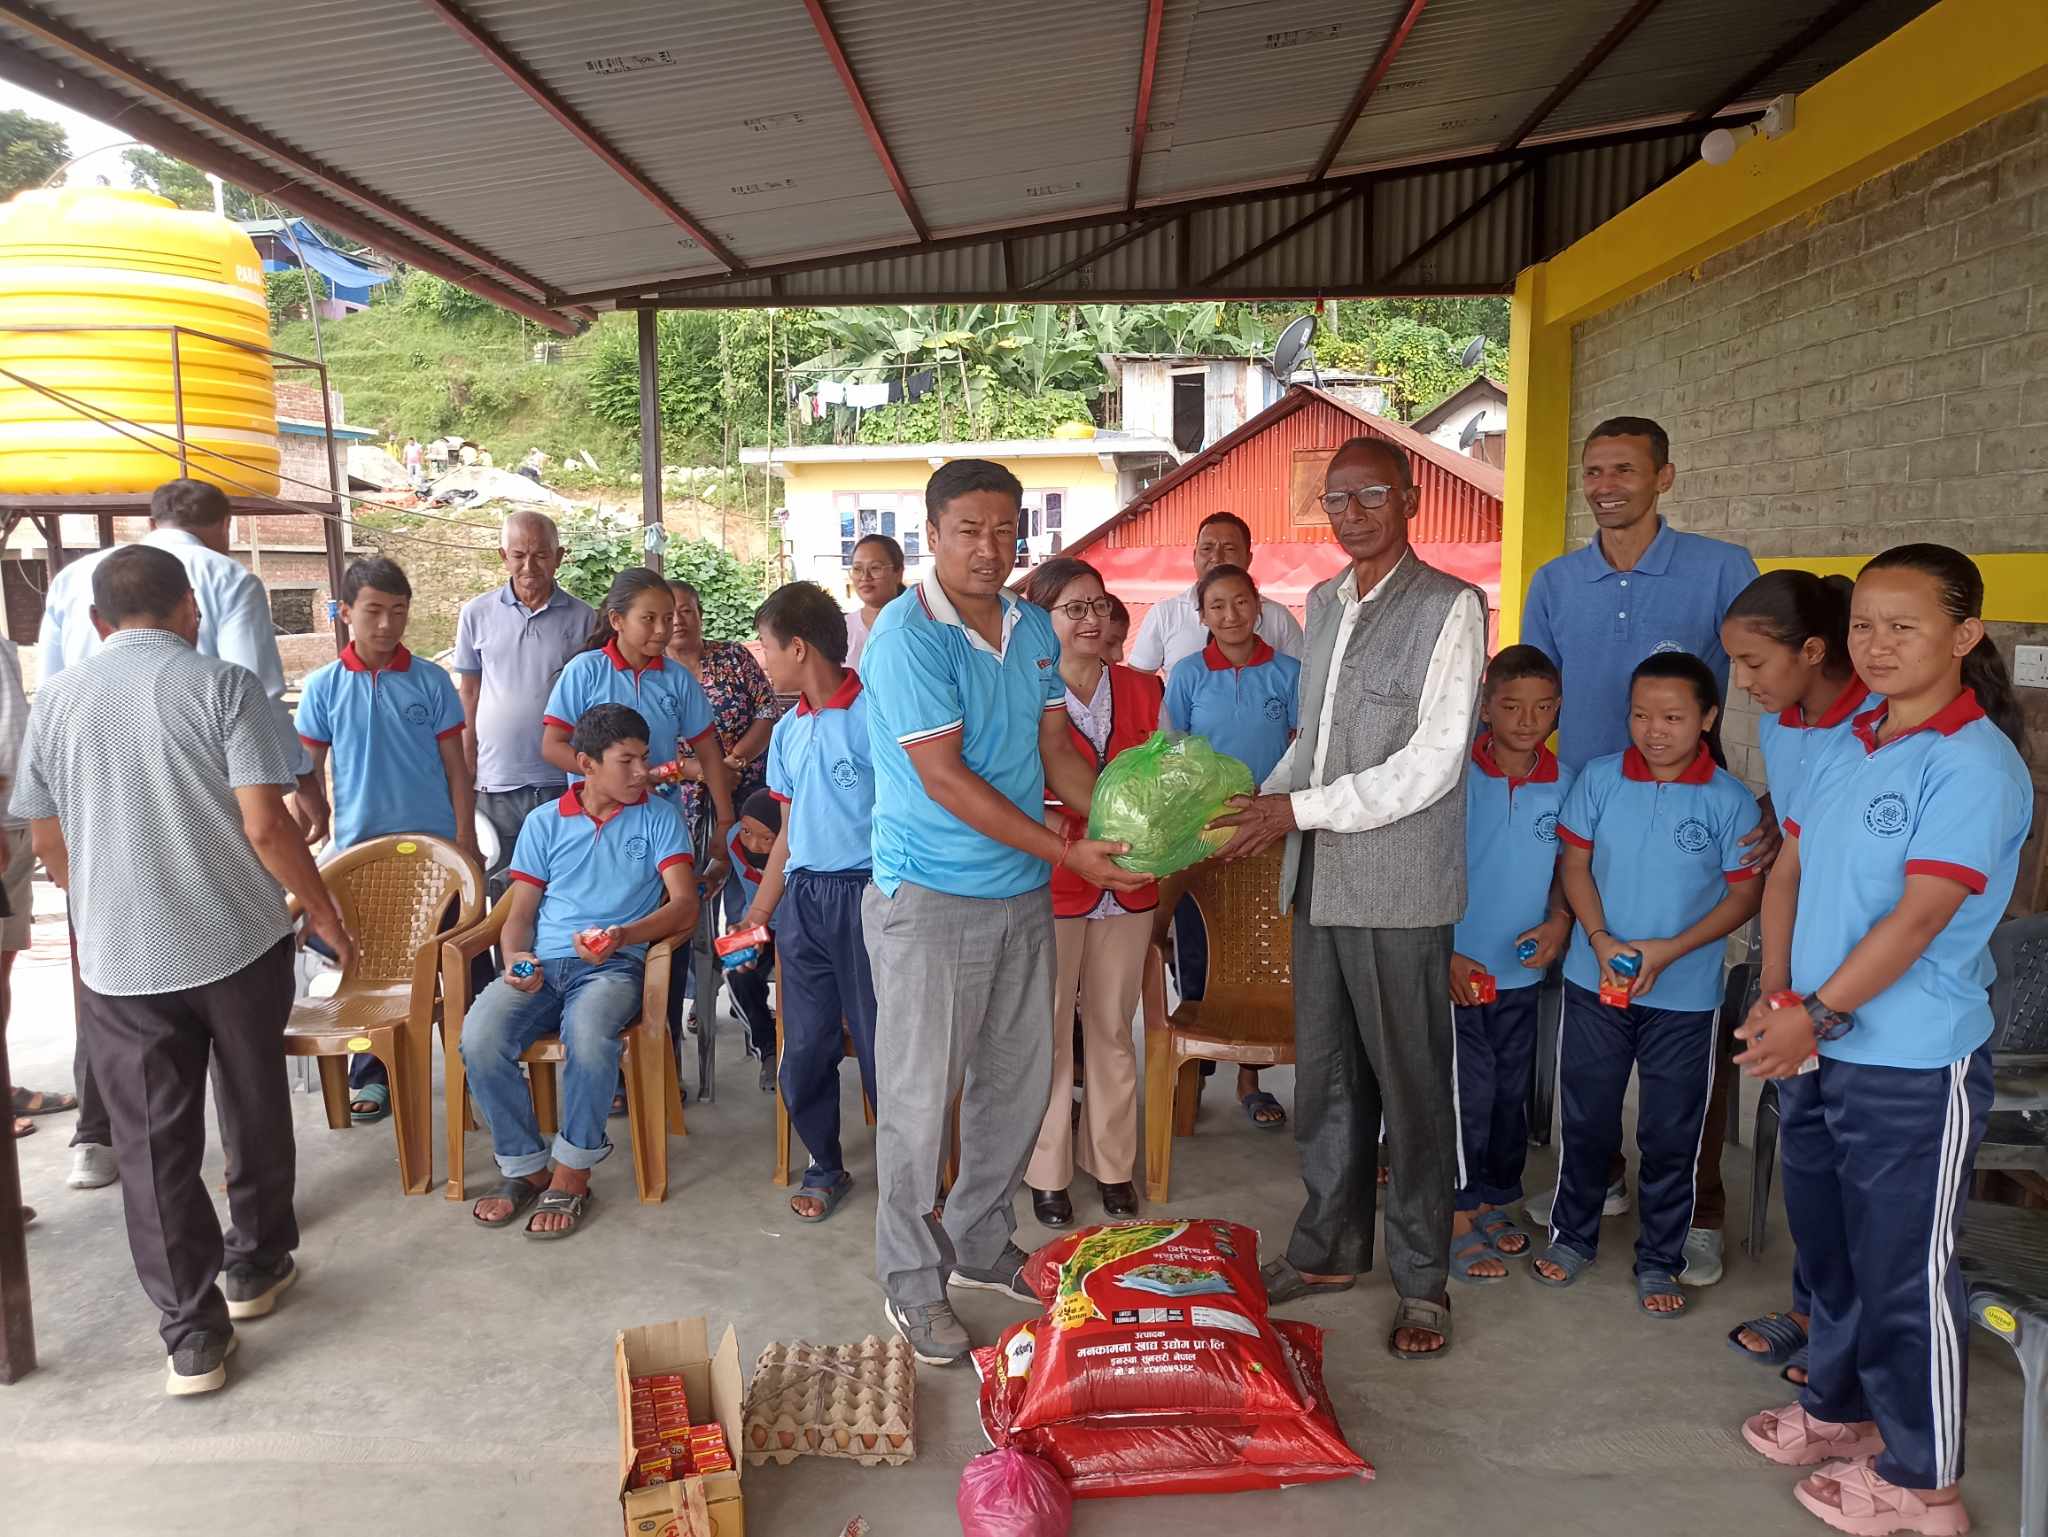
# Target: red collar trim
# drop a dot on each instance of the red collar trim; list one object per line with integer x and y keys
{"x": 611, "y": 649}
{"x": 401, "y": 660}
{"x": 1947, "y": 720}
{"x": 842, "y": 697}
{"x": 1544, "y": 772}
{"x": 1698, "y": 772}
{"x": 1854, "y": 692}
{"x": 571, "y": 805}
{"x": 1212, "y": 654}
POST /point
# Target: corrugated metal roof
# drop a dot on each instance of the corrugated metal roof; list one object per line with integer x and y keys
{"x": 1249, "y": 472}
{"x": 1010, "y": 122}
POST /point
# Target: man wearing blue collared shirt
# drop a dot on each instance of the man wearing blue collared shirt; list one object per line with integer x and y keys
{"x": 190, "y": 519}
{"x": 967, "y": 724}
{"x": 509, "y": 644}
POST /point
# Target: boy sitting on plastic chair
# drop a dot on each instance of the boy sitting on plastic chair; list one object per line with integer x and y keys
{"x": 596, "y": 877}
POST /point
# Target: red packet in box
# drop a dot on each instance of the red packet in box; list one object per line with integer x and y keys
{"x": 740, "y": 946}
{"x": 598, "y": 942}
{"x": 1485, "y": 987}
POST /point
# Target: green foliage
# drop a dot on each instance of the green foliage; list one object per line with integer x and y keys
{"x": 597, "y": 546}
{"x": 998, "y": 412}
{"x": 711, "y": 370}
{"x": 185, "y": 185}
{"x": 423, "y": 294}
{"x": 285, "y": 292}
{"x": 30, "y": 149}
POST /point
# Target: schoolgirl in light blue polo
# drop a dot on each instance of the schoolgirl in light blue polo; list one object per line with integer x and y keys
{"x": 1652, "y": 866}
{"x": 1901, "y": 851}
{"x": 1237, "y": 691}
{"x": 1787, "y": 639}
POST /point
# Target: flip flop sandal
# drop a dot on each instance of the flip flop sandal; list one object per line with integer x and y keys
{"x": 1796, "y": 1364}
{"x": 1496, "y": 1225}
{"x": 24, "y": 1127}
{"x": 1660, "y": 1283}
{"x": 378, "y": 1094}
{"x": 1854, "y": 1497}
{"x": 1782, "y": 1334}
{"x": 831, "y": 1195}
{"x": 520, "y": 1192}
{"x": 1467, "y": 1250}
{"x": 575, "y": 1207}
{"x": 1566, "y": 1258}
{"x": 1259, "y": 1100}
{"x": 1286, "y": 1284}
{"x": 1421, "y": 1313}
{"x": 43, "y": 1102}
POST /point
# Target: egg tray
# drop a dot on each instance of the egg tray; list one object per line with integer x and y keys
{"x": 855, "y": 1402}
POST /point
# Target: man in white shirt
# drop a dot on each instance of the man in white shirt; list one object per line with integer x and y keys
{"x": 1173, "y": 629}
{"x": 191, "y": 520}
{"x": 1368, "y": 798}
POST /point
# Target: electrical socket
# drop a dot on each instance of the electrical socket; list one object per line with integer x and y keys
{"x": 2030, "y": 666}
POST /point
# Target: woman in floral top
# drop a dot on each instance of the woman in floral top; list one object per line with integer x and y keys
{"x": 742, "y": 704}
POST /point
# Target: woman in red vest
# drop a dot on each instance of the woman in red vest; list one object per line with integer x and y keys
{"x": 1100, "y": 936}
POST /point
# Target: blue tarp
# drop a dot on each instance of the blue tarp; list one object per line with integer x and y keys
{"x": 342, "y": 271}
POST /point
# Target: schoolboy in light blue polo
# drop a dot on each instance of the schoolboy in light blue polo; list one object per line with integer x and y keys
{"x": 1948, "y": 798}
{"x": 821, "y": 767}
{"x": 1638, "y": 588}
{"x": 388, "y": 722}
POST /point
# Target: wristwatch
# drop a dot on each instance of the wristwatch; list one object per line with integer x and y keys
{"x": 1827, "y": 1024}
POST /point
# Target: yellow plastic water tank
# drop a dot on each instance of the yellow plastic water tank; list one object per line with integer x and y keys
{"x": 101, "y": 258}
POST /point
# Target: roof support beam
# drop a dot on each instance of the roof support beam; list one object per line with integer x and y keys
{"x": 1148, "y": 62}
{"x": 1312, "y": 217}
{"x": 116, "y": 109}
{"x": 869, "y": 126}
{"x": 1095, "y": 254}
{"x": 580, "y": 128}
{"x": 1472, "y": 211}
{"x": 1366, "y": 87}
{"x": 85, "y": 94}
{"x": 1616, "y": 36}
{"x": 1791, "y": 49}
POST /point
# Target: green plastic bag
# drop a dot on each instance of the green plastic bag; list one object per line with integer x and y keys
{"x": 1160, "y": 795}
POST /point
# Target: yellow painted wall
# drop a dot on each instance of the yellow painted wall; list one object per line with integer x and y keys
{"x": 1960, "y": 63}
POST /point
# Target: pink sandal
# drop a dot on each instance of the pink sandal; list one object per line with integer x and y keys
{"x": 1794, "y": 1439}
{"x": 1852, "y": 1497}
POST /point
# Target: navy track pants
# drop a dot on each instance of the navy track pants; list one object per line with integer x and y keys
{"x": 1496, "y": 1045}
{"x": 825, "y": 980}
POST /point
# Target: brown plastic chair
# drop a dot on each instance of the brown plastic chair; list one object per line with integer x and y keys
{"x": 397, "y": 897}
{"x": 654, "y": 1102}
{"x": 1246, "y": 1013}
{"x": 947, "y": 1175}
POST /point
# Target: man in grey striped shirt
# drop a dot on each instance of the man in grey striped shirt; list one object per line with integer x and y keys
{"x": 155, "y": 778}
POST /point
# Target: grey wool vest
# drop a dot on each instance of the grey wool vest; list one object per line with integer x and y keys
{"x": 1409, "y": 874}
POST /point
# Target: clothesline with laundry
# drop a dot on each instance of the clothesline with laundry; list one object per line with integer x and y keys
{"x": 860, "y": 395}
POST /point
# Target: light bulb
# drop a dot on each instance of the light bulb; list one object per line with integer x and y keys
{"x": 1718, "y": 147}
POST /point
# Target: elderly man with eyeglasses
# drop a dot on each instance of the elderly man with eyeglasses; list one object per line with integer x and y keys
{"x": 1369, "y": 800}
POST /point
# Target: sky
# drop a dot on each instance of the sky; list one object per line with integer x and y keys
{"x": 85, "y": 133}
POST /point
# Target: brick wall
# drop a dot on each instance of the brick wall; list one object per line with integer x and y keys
{"x": 1868, "y": 374}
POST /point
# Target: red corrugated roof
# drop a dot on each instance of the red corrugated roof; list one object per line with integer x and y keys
{"x": 1249, "y": 472}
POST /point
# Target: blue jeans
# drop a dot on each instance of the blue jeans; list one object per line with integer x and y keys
{"x": 590, "y": 1006}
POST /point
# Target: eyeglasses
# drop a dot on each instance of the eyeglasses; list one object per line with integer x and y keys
{"x": 1081, "y": 608}
{"x": 1369, "y": 497}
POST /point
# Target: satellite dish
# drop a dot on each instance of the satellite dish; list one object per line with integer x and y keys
{"x": 1293, "y": 347}
{"x": 1475, "y": 349}
{"x": 1471, "y": 433}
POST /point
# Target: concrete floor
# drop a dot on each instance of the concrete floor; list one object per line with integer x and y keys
{"x": 427, "y": 1376}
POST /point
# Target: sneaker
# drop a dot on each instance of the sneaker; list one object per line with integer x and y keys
{"x": 92, "y": 1165}
{"x": 935, "y": 1335}
{"x": 252, "y": 1291}
{"x": 199, "y": 1364}
{"x": 1006, "y": 1275}
{"x": 1617, "y": 1204}
{"x": 1702, "y": 1257}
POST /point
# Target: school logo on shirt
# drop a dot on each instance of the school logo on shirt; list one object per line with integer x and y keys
{"x": 1665, "y": 645}
{"x": 416, "y": 712}
{"x": 1546, "y": 827}
{"x": 843, "y": 774}
{"x": 1692, "y": 835}
{"x": 1886, "y": 816}
{"x": 636, "y": 847}
{"x": 1275, "y": 710}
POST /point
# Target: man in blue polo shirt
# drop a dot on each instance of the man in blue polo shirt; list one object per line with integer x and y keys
{"x": 821, "y": 768}
{"x": 1641, "y": 586}
{"x": 596, "y": 878}
{"x": 967, "y": 724}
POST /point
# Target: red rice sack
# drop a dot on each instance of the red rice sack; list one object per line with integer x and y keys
{"x": 1151, "y": 1320}
{"x": 1108, "y": 1457}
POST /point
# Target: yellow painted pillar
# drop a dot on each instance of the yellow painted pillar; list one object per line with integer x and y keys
{"x": 1539, "y": 446}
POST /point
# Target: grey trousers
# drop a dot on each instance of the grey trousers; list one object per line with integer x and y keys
{"x": 506, "y": 812}
{"x": 1373, "y": 1038}
{"x": 963, "y": 988}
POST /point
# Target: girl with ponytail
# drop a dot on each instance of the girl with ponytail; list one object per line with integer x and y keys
{"x": 1902, "y": 847}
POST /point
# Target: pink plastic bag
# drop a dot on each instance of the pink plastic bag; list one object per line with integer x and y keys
{"x": 1010, "y": 1493}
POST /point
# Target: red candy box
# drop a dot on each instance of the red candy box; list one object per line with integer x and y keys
{"x": 1485, "y": 987}
{"x": 598, "y": 942}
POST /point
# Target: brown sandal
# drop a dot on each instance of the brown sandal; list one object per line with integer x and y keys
{"x": 1430, "y": 1317}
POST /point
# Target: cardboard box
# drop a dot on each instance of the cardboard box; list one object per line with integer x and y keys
{"x": 709, "y": 1506}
